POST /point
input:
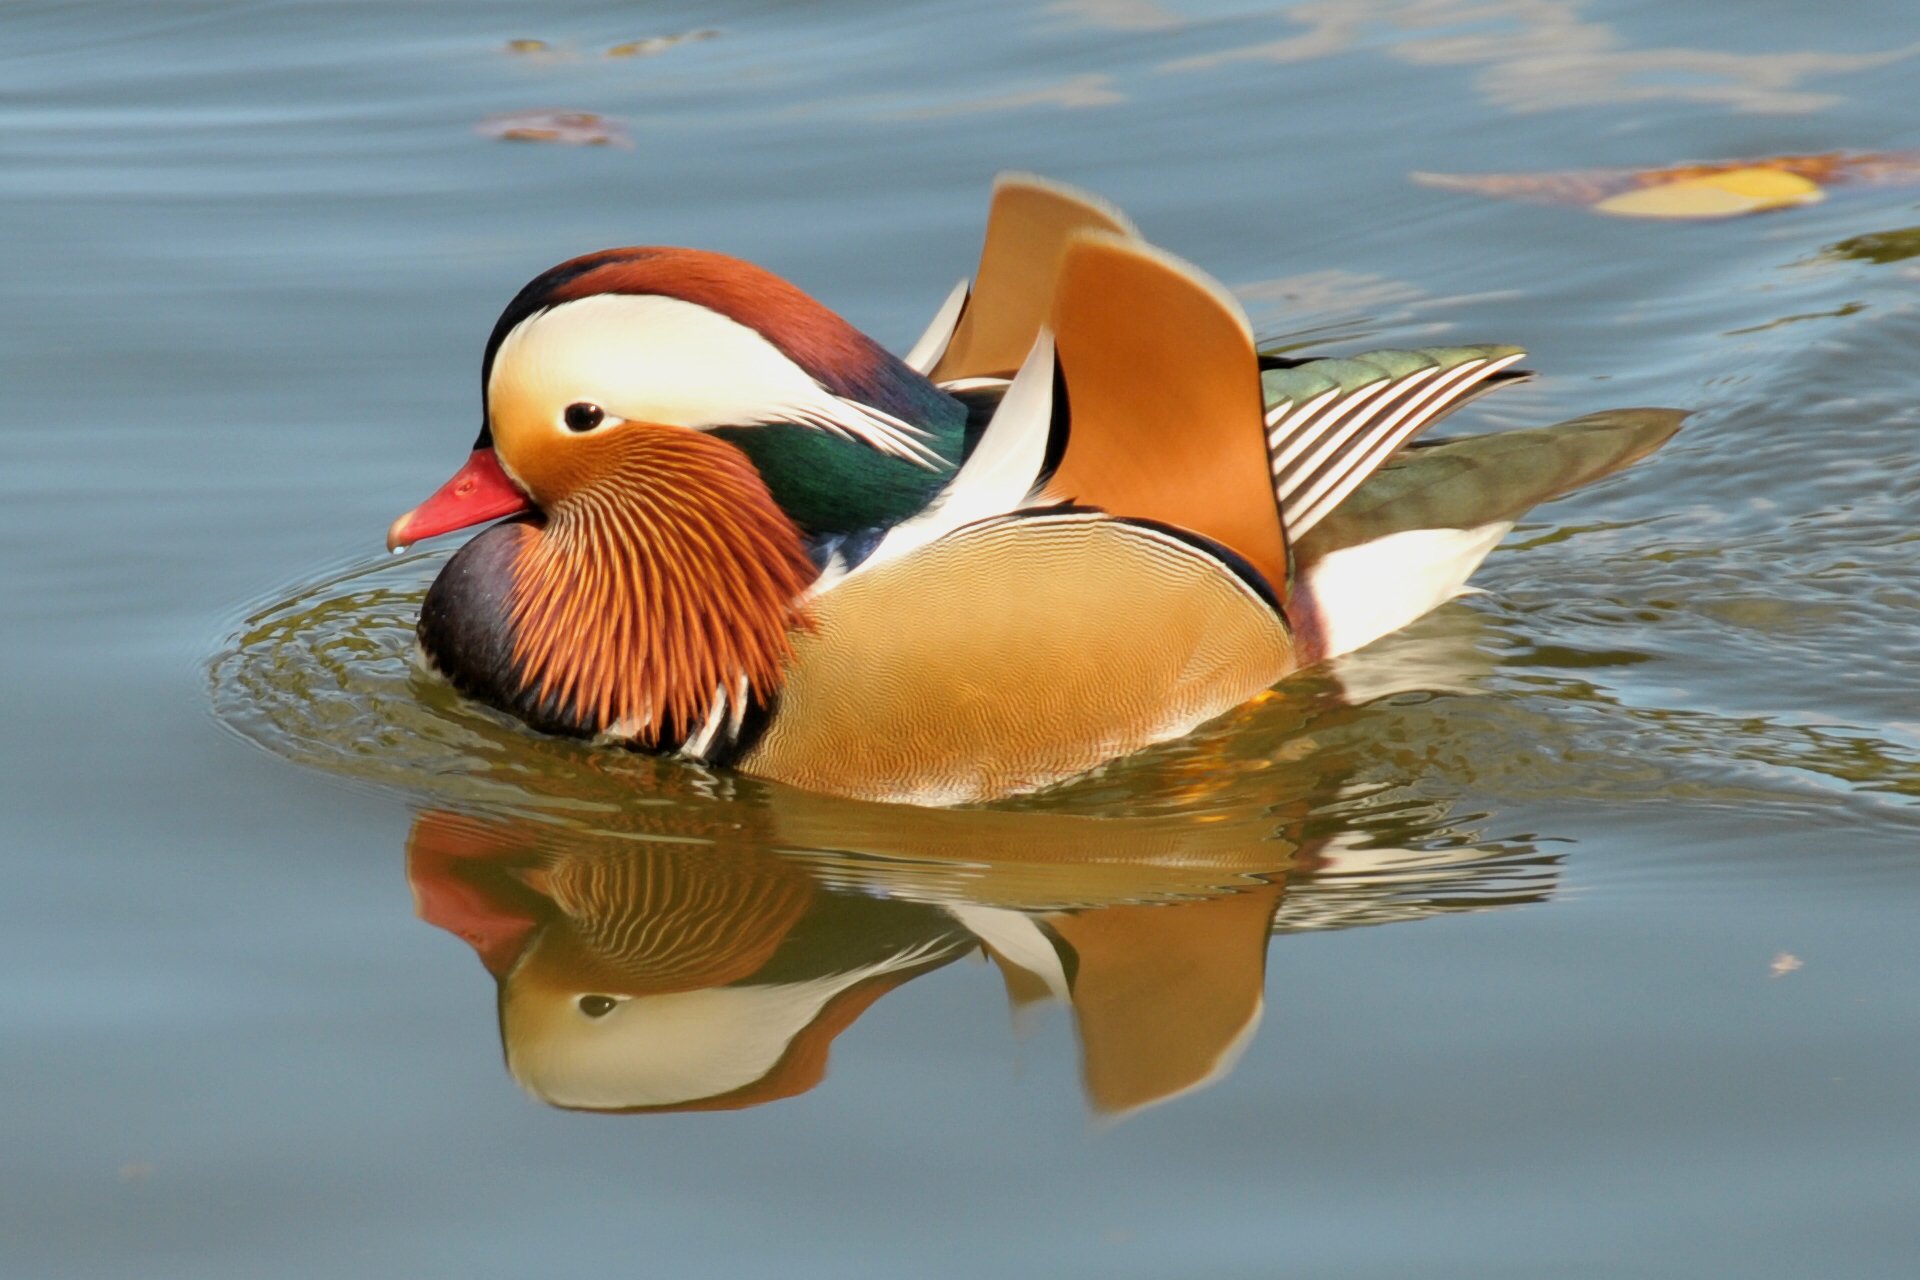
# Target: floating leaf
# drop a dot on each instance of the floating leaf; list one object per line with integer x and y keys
{"x": 569, "y": 128}
{"x": 651, "y": 45}
{"x": 1719, "y": 195}
{"x": 1718, "y": 190}
{"x": 529, "y": 46}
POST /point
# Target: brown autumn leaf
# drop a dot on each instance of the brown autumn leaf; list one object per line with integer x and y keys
{"x": 568, "y": 128}
{"x": 1719, "y": 189}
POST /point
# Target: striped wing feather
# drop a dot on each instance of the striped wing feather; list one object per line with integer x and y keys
{"x": 1013, "y": 654}
{"x": 1333, "y": 423}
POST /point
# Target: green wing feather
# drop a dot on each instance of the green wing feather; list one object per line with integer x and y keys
{"x": 1347, "y": 374}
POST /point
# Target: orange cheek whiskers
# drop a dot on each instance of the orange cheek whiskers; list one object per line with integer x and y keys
{"x": 670, "y": 581}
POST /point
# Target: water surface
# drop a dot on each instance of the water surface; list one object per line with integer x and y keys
{"x": 1568, "y": 933}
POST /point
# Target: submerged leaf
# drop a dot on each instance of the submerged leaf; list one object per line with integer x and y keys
{"x": 651, "y": 45}
{"x": 569, "y": 128}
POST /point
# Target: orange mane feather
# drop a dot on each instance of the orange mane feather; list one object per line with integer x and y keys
{"x": 671, "y": 579}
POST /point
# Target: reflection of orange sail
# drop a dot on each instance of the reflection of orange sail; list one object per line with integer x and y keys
{"x": 1166, "y": 998}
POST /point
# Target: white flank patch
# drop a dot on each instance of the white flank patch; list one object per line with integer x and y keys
{"x": 648, "y": 358}
{"x": 926, "y": 353}
{"x": 1361, "y": 593}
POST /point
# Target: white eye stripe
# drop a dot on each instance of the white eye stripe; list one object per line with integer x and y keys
{"x": 645, "y": 357}
{"x": 851, "y": 420}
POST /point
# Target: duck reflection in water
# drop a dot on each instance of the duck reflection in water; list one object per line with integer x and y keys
{"x": 679, "y": 970}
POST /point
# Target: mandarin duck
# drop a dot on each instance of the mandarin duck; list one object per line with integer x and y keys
{"x": 1082, "y": 515}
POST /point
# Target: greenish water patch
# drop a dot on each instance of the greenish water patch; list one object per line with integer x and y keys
{"x": 1880, "y": 246}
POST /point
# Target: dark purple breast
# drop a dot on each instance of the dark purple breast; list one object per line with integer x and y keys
{"x": 466, "y": 629}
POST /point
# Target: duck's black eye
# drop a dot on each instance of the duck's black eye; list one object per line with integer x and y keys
{"x": 582, "y": 416}
{"x": 597, "y": 1006}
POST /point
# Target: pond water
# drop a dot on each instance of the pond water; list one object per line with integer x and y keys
{"x": 1570, "y": 932}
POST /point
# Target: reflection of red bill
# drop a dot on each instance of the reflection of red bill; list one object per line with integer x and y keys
{"x": 479, "y": 491}
{"x": 458, "y": 885}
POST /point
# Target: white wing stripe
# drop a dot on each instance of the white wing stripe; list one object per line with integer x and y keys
{"x": 1000, "y": 474}
{"x": 1273, "y": 415}
{"x": 1300, "y": 415}
{"x": 1412, "y": 413}
{"x": 1331, "y": 490}
{"x": 926, "y": 353}
{"x": 1328, "y": 437}
{"x": 851, "y": 420}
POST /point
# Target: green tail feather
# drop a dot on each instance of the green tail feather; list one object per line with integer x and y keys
{"x": 1478, "y": 480}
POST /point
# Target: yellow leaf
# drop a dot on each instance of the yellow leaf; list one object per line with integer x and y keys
{"x": 1715, "y": 195}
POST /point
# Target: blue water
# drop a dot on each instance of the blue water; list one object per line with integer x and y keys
{"x": 1592, "y": 897}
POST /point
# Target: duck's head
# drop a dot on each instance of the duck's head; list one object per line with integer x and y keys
{"x": 683, "y": 338}
{"x": 672, "y": 426}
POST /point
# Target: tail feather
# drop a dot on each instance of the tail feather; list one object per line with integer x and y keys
{"x": 1474, "y": 481}
{"x": 1409, "y": 537}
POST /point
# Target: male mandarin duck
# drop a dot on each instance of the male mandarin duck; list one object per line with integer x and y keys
{"x": 1083, "y": 515}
